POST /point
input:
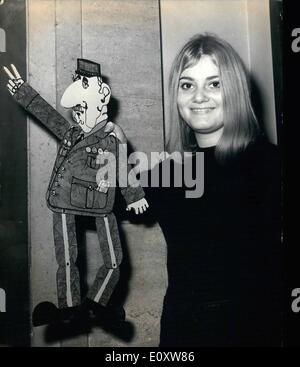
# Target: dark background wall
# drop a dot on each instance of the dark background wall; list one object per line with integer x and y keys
{"x": 14, "y": 259}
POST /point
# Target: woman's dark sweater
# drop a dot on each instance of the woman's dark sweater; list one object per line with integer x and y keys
{"x": 223, "y": 253}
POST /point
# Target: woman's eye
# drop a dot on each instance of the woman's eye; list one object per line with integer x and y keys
{"x": 186, "y": 86}
{"x": 214, "y": 85}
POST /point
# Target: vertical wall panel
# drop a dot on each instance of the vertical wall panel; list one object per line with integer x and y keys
{"x": 260, "y": 49}
{"x": 146, "y": 288}
{"x": 14, "y": 256}
{"x": 42, "y": 152}
{"x": 68, "y": 49}
{"x": 123, "y": 36}
{"x": 148, "y": 283}
{"x": 68, "y": 46}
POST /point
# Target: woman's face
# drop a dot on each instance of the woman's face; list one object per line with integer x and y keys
{"x": 199, "y": 99}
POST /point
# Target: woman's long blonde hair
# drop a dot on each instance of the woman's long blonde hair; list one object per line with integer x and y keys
{"x": 240, "y": 123}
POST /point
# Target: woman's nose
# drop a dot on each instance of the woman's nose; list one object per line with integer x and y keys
{"x": 200, "y": 96}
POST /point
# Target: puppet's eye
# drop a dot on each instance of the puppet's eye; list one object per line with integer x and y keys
{"x": 75, "y": 77}
{"x": 85, "y": 83}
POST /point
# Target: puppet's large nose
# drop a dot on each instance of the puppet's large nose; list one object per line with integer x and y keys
{"x": 71, "y": 95}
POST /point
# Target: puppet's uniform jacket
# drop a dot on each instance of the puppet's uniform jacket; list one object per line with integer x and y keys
{"x": 74, "y": 190}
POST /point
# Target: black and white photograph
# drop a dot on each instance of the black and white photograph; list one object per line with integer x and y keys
{"x": 141, "y": 175}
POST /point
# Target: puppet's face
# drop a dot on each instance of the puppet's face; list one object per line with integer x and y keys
{"x": 88, "y": 98}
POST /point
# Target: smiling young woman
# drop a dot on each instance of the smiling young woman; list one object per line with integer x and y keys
{"x": 223, "y": 258}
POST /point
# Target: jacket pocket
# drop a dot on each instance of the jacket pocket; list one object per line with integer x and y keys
{"x": 91, "y": 161}
{"x": 84, "y": 195}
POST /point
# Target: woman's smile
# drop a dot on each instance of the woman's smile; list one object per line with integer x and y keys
{"x": 202, "y": 110}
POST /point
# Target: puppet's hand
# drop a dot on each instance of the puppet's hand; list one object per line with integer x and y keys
{"x": 15, "y": 81}
{"x": 116, "y": 130}
{"x": 139, "y": 206}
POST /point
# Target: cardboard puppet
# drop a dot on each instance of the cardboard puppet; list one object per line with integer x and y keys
{"x": 76, "y": 186}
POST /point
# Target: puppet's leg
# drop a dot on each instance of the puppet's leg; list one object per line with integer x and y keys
{"x": 67, "y": 277}
{"x": 110, "y": 245}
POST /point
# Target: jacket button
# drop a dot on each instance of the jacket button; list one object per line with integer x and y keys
{"x": 88, "y": 149}
{"x": 56, "y": 183}
{"x": 91, "y": 187}
{"x": 69, "y": 143}
{"x": 94, "y": 150}
{"x": 62, "y": 168}
{"x": 53, "y": 192}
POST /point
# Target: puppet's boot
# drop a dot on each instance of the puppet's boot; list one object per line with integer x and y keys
{"x": 44, "y": 313}
{"x": 47, "y": 313}
{"x": 110, "y": 318}
{"x": 69, "y": 314}
{"x": 71, "y": 322}
{"x": 109, "y": 314}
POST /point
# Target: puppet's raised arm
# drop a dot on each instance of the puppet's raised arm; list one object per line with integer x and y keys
{"x": 32, "y": 102}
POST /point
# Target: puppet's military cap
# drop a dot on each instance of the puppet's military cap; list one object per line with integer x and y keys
{"x": 88, "y": 68}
